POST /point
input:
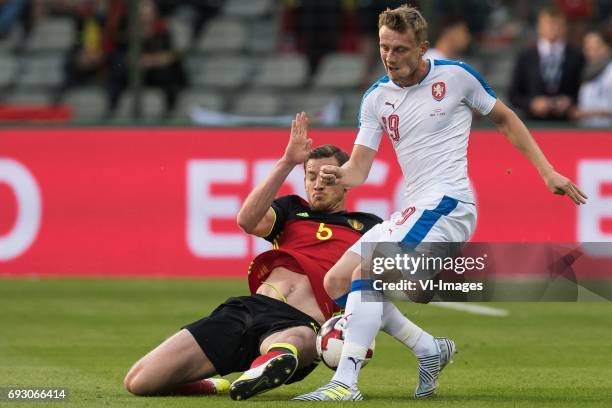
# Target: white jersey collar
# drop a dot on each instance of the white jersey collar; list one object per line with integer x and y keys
{"x": 427, "y": 75}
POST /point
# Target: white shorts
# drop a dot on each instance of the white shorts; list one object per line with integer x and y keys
{"x": 443, "y": 220}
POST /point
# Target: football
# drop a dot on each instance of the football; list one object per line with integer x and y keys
{"x": 330, "y": 340}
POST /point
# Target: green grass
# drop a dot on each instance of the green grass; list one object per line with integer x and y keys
{"x": 85, "y": 334}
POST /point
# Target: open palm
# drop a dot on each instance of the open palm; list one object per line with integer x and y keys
{"x": 299, "y": 144}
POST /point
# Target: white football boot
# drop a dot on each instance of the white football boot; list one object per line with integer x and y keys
{"x": 334, "y": 391}
{"x": 431, "y": 366}
{"x": 266, "y": 376}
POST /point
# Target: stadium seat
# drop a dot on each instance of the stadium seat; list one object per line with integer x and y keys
{"x": 180, "y": 30}
{"x": 351, "y": 106}
{"x": 311, "y": 102}
{"x": 262, "y": 37}
{"x": 478, "y": 64}
{"x": 86, "y": 103}
{"x": 41, "y": 71}
{"x": 340, "y": 70}
{"x": 51, "y": 34}
{"x": 282, "y": 71}
{"x": 12, "y": 39}
{"x": 191, "y": 99}
{"x": 377, "y": 72}
{"x": 223, "y": 35}
{"x": 220, "y": 71}
{"x": 8, "y": 69}
{"x": 247, "y": 9}
{"x": 499, "y": 74}
{"x": 257, "y": 104}
{"x": 28, "y": 96}
{"x": 153, "y": 105}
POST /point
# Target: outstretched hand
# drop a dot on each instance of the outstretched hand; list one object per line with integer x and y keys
{"x": 299, "y": 144}
{"x": 559, "y": 184}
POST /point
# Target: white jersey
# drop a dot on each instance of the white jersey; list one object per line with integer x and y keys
{"x": 428, "y": 124}
{"x": 596, "y": 94}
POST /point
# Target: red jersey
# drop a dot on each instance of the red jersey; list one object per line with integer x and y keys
{"x": 310, "y": 243}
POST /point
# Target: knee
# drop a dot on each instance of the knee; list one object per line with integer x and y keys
{"x": 135, "y": 382}
{"x": 128, "y": 381}
{"x": 335, "y": 285}
{"x": 135, "y": 385}
{"x": 305, "y": 344}
{"x": 302, "y": 338}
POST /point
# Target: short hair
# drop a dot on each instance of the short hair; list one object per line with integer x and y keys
{"x": 449, "y": 22}
{"x": 605, "y": 38}
{"x": 326, "y": 151}
{"x": 404, "y": 18}
{"x": 552, "y": 11}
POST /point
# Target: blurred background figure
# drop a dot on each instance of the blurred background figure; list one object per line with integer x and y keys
{"x": 11, "y": 11}
{"x": 17, "y": 18}
{"x": 160, "y": 64}
{"x": 316, "y": 25}
{"x": 197, "y": 13}
{"x": 271, "y": 58}
{"x": 547, "y": 75}
{"x": 452, "y": 40}
{"x": 87, "y": 58}
{"x": 579, "y": 14}
{"x": 595, "y": 96}
{"x": 367, "y": 18}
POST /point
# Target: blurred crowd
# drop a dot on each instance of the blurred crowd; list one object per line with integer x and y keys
{"x": 563, "y": 74}
{"x": 553, "y": 80}
{"x": 562, "y": 69}
{"x": 100, "y": 53}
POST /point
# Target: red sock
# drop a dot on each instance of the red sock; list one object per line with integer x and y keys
{"x": 202, "y": 387}
{"x": 265, "y": 357}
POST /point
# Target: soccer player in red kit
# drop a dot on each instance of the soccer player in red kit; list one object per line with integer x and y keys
{"x": 270, "y": 335}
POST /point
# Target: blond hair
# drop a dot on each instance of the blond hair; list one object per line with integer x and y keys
{"x": 404, "y": 18}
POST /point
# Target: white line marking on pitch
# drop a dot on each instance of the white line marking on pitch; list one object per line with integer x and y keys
{"x": 470, "y": 308}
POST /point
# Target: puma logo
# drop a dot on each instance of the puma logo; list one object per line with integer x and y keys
{"x": 390, "y": 104}
{"x": 355, "y": 361}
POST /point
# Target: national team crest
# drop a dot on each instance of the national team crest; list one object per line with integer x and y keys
{"x": 357, "y": 225}
{"x": 438, "y": 91}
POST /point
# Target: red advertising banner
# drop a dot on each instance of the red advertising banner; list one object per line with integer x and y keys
{"x": 162, "y": 202}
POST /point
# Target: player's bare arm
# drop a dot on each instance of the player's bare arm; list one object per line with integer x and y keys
{"x": 354, "y": 172}
{"x": 256, "y": 215}
{"x": 517, "y": 133}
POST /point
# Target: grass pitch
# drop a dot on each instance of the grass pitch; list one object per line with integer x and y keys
{"x": 84, "y": 334}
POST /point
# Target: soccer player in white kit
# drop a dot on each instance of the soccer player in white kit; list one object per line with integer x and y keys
{"x": 425, "y": 107}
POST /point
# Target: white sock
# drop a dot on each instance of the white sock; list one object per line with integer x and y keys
{"x": 406, "y": 332}
{"x": 350, "y": 363}
{"x": 361, "y": 329}
{"x": 351, "y": 303}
